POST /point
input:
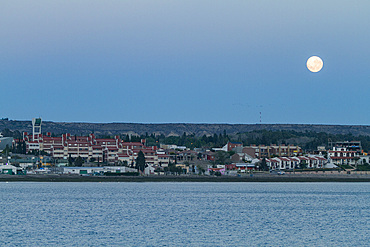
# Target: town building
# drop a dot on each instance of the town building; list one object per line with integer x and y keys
{"x": 348, "y": 145}
{"x": 262, "y": 151}
{"x": 343, "y": 156}
{"x": 90, "y": 148}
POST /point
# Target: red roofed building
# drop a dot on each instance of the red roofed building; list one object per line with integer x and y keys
{"x": 341, "y": 156}
{"x": 163, "y": 160}
{"x": 231, "y": 145}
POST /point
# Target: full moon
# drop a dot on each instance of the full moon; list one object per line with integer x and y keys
{"x": 314, "y": 64}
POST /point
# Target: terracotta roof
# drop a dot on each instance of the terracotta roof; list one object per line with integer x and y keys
{"x": 52, "y": 138}
{"x": 341, "y": 158}
{"x": 303, "y": 158}
{"x": 112, "y": 148}
{"x": 321, "y": 158}
{"x": 312, "y": 158}
{"x": 216, "y": 169}
{"x": 123, "y": 155}
{"x": 77, "y": 142}
{"x": 132, "y": 143}
{"x": 284, "y": 159}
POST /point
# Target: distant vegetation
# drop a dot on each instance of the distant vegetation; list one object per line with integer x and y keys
{"x": 177, "y": 129}
{"x": 307, "y": 140}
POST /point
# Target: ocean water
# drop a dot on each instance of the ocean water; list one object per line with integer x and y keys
{"x": 184, "y": 214}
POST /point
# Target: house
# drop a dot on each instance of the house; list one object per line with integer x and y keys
{"x": 8, "y": 169}
{"x": 149, "y": 170}
{"x": 286, "y": 163}
{"x": 303, "y": 162}
{"x": 237, "y": 158}
{"x": 207, "y": 155}
{"x": 294, "y": 162}
{"x": 232, "y": 145}
{"x": 187, "y": 155}
{"x": 274, "y": 164}
{"x": 24, "y": 163}
{"x": 364, "y": 159}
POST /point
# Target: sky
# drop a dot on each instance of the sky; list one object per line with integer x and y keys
{"x": 193, "y": 61}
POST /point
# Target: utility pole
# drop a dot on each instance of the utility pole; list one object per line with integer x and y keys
{"x": 260, "y": 117}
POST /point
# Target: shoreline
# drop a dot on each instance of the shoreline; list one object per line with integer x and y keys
{"x": 195, "y": 178}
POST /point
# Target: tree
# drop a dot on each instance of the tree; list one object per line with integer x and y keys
{"x": 221, "y": 157}
{"x": 303, "y": 164}
{"x": 7, "y": 150}
{"x": 201, "y": 170}
{"x": 213, "y": 163}
{"x": 140, "y": 161}
{"x": 158, "y": 170}
{"x": 20, "y": 147}
{"x": 174, "y": 169}
{"x": 24, "y": 150}
{"x": 263, "y": 165}
{"x": 79, "y": 161}
{"x": 70, "y": 160}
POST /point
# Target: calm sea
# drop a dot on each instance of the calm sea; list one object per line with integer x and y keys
{"x": 184, "y": 214}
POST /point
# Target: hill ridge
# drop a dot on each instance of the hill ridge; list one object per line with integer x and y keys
{"x": 199, "y": 129}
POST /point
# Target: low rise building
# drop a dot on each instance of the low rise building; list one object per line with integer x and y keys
{"x": 289, "y": 163}
{"x": 97, "y": 170}
{"x": 8, "y": 169}
{"x": 262, "y": 151}
{"x": 89, "y": 148}
{"x": 343, "y": 156}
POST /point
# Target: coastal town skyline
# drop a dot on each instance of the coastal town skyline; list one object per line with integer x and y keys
{"x": 39, "y": 152}
{"x": 184, "y": 123}
{"x": 185, "y": 62}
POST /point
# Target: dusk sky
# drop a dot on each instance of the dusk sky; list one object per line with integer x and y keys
{"x": 185, "y": 61}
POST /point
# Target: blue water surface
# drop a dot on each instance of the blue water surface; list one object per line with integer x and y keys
{"x": 184, "y": 214}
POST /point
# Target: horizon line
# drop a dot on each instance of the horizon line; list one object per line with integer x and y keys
{"x": 194, "y": 123}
